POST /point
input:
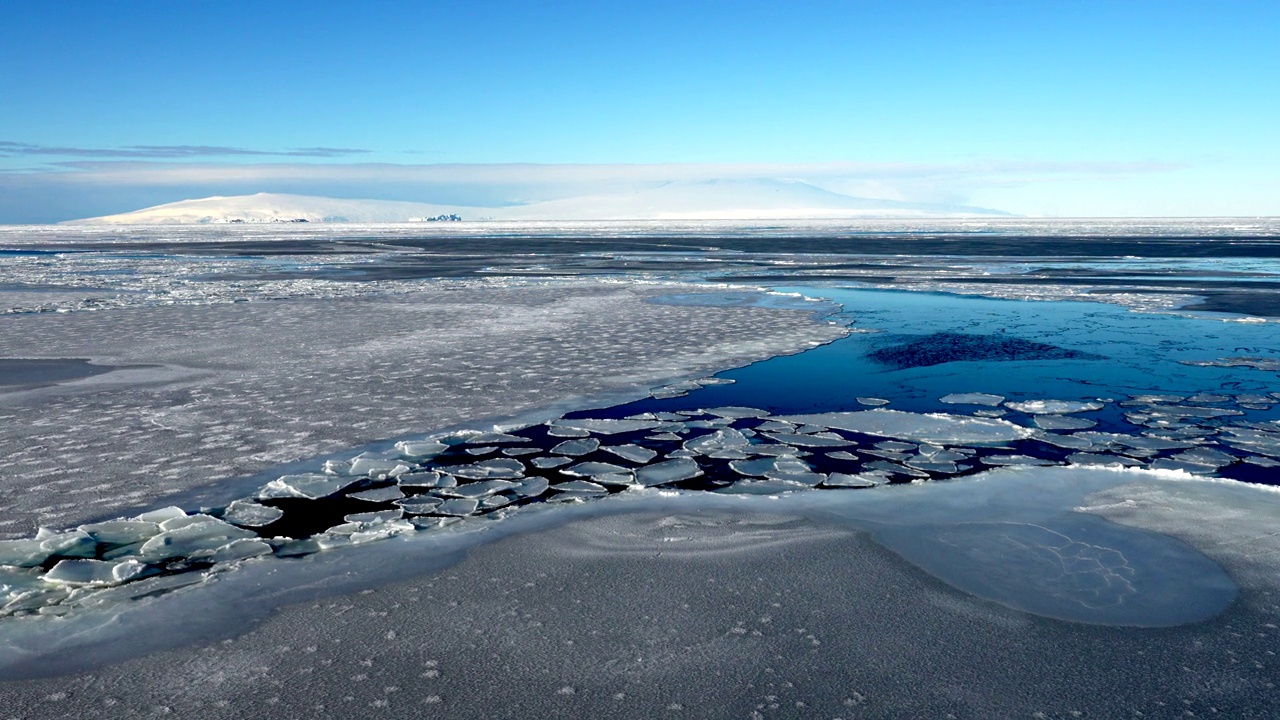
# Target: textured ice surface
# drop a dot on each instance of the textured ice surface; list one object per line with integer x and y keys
{"x": 255, "y": 388}
{"x": 1053, "y": 407}
{"x": 577, "y": 447}
{"x": 924, "y": 427}
{"x": 247, "y": 513}
{"x": 668, "y": 471}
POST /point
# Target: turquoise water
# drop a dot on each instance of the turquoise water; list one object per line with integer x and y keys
{"x": 1138, "y": 353}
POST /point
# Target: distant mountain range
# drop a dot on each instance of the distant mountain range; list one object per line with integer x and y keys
{"x": 676, "y": 200}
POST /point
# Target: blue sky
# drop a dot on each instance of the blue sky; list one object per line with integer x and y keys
{"x": 1081, "y": 108}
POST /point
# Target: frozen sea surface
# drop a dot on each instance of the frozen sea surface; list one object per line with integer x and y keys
{"x": 273, "y": 350}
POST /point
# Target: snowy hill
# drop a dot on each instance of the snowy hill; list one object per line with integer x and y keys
{"x": 272, "y": 208}
{"x": 750, "y": 199}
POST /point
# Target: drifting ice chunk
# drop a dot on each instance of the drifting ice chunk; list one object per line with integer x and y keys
{"x": 426, "y": 479}
{"x": 185, "y": 541}
{"x": 722, "y": 439}
{"x": 247, "y": 513}
{"x": 775, "y": 450}
{"x": 606, "y": 427}
{"x": 895, "y": 469}
{"x": 498, "y": 468}
{"x": 730, "y": 454}
{"x": 794, "y": 470}
{"x": 310, "y": 486}
{"x": 1016, "y": 460}
{"x": 481, "y": 450}
{"x": 382, "y": 494}
{"x": 375, "y": 466}
{"x": 664, "y": 437}
{"x": 634, "y": 453}
{"x": 546, "y": 463}
{"x": 419, "y": 504}
{"x": 478, "y": 490}
{"x": 159, "y": 516}
{"x": 493, "y": 502}
{"x": 938, "y": 428}
{"x": 240, "y": 550}
{"x": 82, "y": 572}
{"x": 458, "y": 507}
{"x": 873, "y": 402}
{"x": 814, "y": 440}
{"x": 554, "y": 431}
{"x": 972, "y": 399}
{"x": 588, "y": 469}
{"x": 1063, "y": 422}
{"x": 842, "y": 455}
{"x": 579, "y": 486}
{"x": 121, "y": 532}
{"x": 615, "y": 479}
{"x": 577, "y": 447}
{"x": 761, "y": 487}
{"x": 514, "y": 451}
{"x": 754, "y": 468}
{"x": 668, "y": 471}
{"x": 420, "y": 449}
{"x": 531, "y": 487}
{"x": 1054, "y": 407}
{"x": 861, "y": 480}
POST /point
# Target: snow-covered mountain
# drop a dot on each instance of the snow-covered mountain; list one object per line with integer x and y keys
{"x": 738, "y": 199}
{"x": 273, "y": 207}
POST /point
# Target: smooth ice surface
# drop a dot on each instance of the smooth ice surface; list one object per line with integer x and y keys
{"x": 972, "y": 399}
{"x": 1053, "y": 407}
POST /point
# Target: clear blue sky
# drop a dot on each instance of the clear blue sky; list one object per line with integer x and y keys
{"x": 1176, "y": 104}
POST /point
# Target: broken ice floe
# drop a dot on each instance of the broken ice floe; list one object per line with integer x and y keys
{"x": 429, "y": 484}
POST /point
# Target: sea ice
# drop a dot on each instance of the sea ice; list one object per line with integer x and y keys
{"x": 1063, "y": 422}
{"x": 240, "y": 550}
{"x": 421, "y": 449}
{"x": 1054, "y": 407}
{"x": 722, "y": 439}
{"x": 209, "y": 534}
{"x": 247, "y": 513}
{"x": 861, "y": 480}
{"x": 632, "y": 452}
{"x": 589, "y": 469}
{"x": 478, "y": 490}
{"x": 531, "y": 487}
{"x": 458, "y": 506}
{"x": 419, "y": 504}
{"x": 504, "y": 468}
{"x": 581, "y": 446}
{"x": 939, "y": 428}
{"x": 972, "y": 399}
{"x": 814, "y": 440}
{"x": 311, "y": 486}
{"x": 546, "y": 463}
{"x": 606, "y": 427}
{"x": 426, "y": 479}
{"x": 872, "y": 401}
{"x": 382, "y": 494}
{"x": 579, "y": 486}
{"x": 668, "y": 471}
{"x": 83, "y": 572}
{"x": 122, "y": 532}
